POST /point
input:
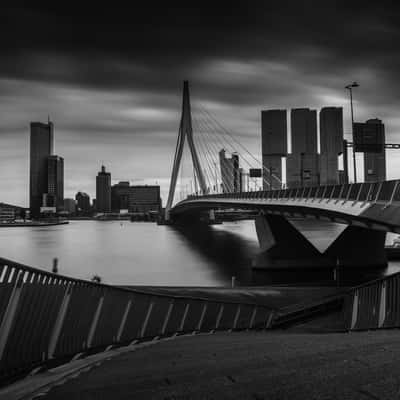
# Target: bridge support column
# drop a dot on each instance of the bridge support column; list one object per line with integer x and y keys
{"x": 359, "y": 247}
{"x": 283, "y": 246}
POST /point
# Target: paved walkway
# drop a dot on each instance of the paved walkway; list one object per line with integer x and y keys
{"x": 248, "y": 365}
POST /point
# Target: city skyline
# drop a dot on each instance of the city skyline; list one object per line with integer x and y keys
{"x": 116, "y": 100}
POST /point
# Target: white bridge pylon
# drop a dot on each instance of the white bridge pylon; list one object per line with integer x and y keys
{"x": 185, "y": 131}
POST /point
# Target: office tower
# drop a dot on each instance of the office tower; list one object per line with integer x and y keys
{"x": 274, "y": 146}
{"x": 144, "y": 198}
{"x": 375, "y": 162}
{"x": 331, "y": 141}
{"x": 41, "y": 147}
{"x": 83, "y": 202}
{"x": 120, "y": 196}
{"x": 302, "y": 165}
{"x": 103, "y": 191}
{"x": 136, "y": 198}
{"x": 55, "y": 183}
{"x": 230, "y": 176}
{"x": 70, "y": 206}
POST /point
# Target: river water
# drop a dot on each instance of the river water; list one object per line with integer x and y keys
{"x": 143, "y": 253}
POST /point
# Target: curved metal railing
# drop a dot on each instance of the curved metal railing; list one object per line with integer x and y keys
{"x": 46, "y": 317}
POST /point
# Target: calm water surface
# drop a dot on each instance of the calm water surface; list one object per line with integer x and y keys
{"x": 147, "y": 254}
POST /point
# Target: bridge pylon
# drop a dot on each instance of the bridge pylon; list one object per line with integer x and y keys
{"x": 185, "y": 131}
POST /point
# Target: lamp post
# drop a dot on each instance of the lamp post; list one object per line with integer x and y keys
{"x": 350, "y": 89}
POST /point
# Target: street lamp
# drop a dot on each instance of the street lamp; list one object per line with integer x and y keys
{"x": 350, "y": 89}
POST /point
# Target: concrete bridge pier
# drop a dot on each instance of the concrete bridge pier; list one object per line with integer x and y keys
{"x": 284, "y": 246}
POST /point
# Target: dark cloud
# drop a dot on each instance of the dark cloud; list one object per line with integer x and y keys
{"x": 111, "y": 76}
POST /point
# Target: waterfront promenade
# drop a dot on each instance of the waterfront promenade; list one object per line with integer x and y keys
{"x": 294, "y": 364}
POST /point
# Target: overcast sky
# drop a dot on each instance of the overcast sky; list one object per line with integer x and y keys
{"x": 111, "y": 78}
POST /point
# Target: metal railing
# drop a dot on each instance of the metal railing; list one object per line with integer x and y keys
{"x": 385, "y": 192}
{"x": 45, "y": 317}
{"x": 374, "y": 305}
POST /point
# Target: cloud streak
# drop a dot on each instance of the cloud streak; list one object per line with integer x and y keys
{"x": 111, "y": 78}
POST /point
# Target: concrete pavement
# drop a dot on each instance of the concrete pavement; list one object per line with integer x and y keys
{"x": 249, "y": 365}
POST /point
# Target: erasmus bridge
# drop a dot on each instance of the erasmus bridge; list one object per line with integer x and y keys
{"x": 54, "y": 328}
{"x": 368, "y": 210}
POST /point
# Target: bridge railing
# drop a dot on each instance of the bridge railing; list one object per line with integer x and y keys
{"x": 384, "y": 192}
{"x": 374, "y": 305}
{"x": 48, "y": 318}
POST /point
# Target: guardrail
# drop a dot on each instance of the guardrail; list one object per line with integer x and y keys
{"x": 386, "y": 191}
{"x": 46, "y": 317}
{"x": 374, "y": 305}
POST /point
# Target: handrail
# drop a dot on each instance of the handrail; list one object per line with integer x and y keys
{"x": 320, "y": 193}
{"x": 47, "y": 318}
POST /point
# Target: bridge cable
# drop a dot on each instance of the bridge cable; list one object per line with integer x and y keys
{"x": 204, "y": 155}
{"x": 240, "y": 144}
{"x": 225, "y": 173}
{"x": 210, "y": 156}
{"x": 223, "y": 141}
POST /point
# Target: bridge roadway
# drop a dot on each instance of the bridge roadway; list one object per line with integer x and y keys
{"x": 370, "y": 205}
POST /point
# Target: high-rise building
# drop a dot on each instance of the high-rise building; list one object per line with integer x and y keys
{"x": 375, "y": 163}
{"x": 274, "y": 146}
{"x": 41, "y": 147}
{"x": 331, "y": 142}
{"x": 144, "y": 198}
{"x": 103, "y": 191}
{"x": 230, "y": 175}
{"x": 302, "y": 165}
{"x": 70, "y": 206}
{"x": 83, "y": 203}
{"x": 55, "y": 182}
{"x": 137, "y": 198}
{"x": 120, "y": 196}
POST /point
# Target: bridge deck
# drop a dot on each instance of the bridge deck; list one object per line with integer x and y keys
{"x": 371, "y": 205}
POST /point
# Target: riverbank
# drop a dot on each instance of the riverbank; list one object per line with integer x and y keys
{"x": 32, "y": 223}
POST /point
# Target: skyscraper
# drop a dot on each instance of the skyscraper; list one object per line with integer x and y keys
{"x": 83, "y": 202}
{"x": 230, "y": 175}
{"x": 41, "y": 147}
{"x": 103, "y": 191}
{"x": 274, "y": 146}
{"x": 55, "y": 182}
{"x": 331, "y": 141}
{"x": 375, "y": 162}
{"x": 302, "y": 166}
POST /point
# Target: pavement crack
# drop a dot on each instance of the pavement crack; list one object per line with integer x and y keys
{"x": 167, "y": 381}
{"x": 368, "y": 394}
{"x": 362, "y": 362}
{"x": 232, "y": 379}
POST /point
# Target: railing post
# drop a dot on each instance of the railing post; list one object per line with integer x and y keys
{"x": 164, "y": 327}
{"x": 95, "y": 320}
{"x": 123, "y": 321}
{"x": 184, "y": 317}
{"x": 9, "y": 315}
{"x": 382, "y": 306}
{"x": 253, "y": 316}
{"x": 269, "y": 320}
{"x": 236, "y": 317}
{"x": 354, "y": 315}
{"x": 203, "y": 313}
{"x": 146, "y": 320}
{"x": 221, "y": 310}
{"x": 59, "y": 321}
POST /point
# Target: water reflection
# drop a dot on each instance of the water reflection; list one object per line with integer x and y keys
{"x": 143, "y": 253}
{"x": 230, "y": 252}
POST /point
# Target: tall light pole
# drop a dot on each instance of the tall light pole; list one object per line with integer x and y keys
{"x": 350, "y": 89}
